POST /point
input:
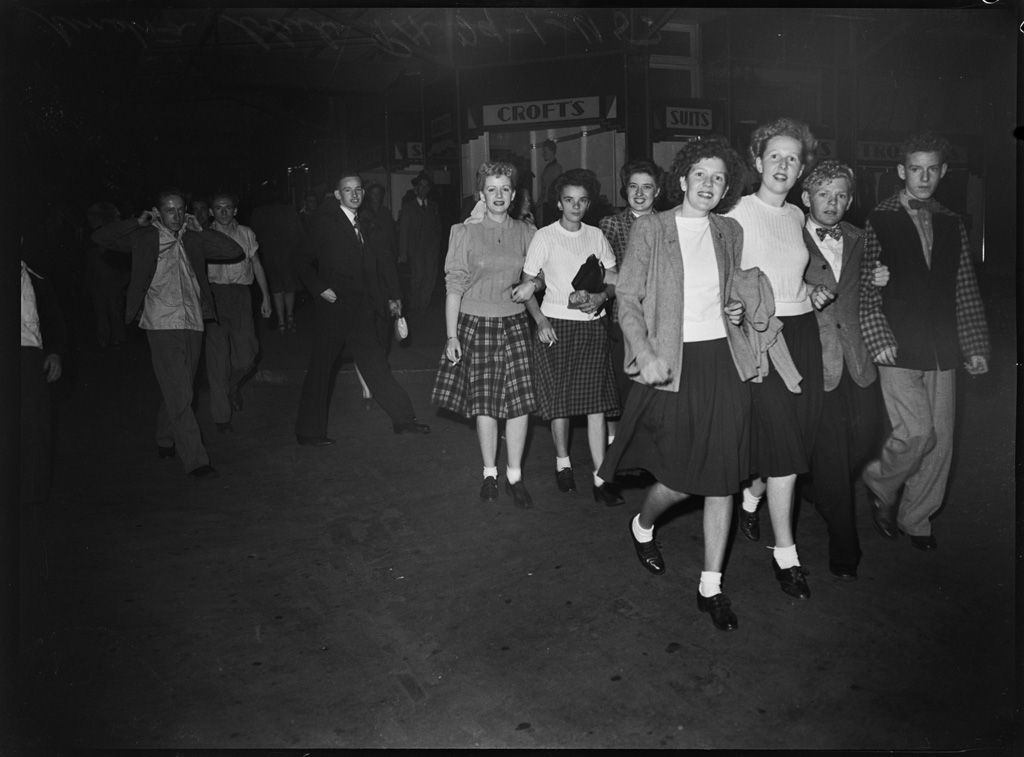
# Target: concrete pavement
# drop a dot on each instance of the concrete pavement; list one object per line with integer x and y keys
{"x": 360, "y": 595}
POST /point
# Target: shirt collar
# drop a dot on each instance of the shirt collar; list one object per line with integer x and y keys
{"x": 349, "y": 213}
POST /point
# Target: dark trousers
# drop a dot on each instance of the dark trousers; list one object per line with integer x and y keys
{"x": 617, "y": 344}
{"x": 36, "y": 427}
{"x": 423, "y": 267}
{"x": 336, "y": 327}
{"x": 849, "y": 434}
{"x": 175, "y": 354}
{"x": 231, "y": 345}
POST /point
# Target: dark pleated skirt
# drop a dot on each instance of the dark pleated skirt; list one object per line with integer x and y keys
{"x": 696, "y": 440}
{"x": 784, "y": 424}
{"x": 575, "y": 376}
{"x": 494, "y": 377}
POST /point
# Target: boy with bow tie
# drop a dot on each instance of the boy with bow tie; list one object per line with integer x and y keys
{"x": 916, "y": 332}
{"x": 851, "y": 411}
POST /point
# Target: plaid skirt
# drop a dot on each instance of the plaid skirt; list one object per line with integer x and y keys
{"x": 574, "y": 376}
{"x": 696, "y": 440}
{"x": 494, "y": 377}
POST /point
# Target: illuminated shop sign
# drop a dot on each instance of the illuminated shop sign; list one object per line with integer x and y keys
{"x": 689, "y": 118}
{"x": 542, "y": 111}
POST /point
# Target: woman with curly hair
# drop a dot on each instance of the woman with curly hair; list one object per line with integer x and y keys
{"x": 784, "y": 423}
{"x": 486, "y": 368}
{"x": 686, "y": 421}
{"x": 572, "y": 360}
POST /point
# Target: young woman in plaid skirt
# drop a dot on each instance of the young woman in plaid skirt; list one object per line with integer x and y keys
{"x": 573, "y": 367}
{"x": 485, "y": 371}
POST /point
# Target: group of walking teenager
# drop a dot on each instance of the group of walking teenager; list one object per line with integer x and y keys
{"x": 725, "y": 344}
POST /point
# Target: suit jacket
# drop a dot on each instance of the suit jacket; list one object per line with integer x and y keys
{"x": 144, "y": 244}
{"x": 839, "y": 322}
{"x": 419, "y": 228}
{"x": 379, "y": 231}
{"x": 650, "y": 294}
{"x": 331, "y": 257}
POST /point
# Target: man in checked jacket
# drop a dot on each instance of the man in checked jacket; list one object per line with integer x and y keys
{"x": 916, "y": 329}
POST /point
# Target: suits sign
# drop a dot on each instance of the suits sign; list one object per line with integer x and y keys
{"x": 542, "y": 111}
{"x": 689, "y": 118}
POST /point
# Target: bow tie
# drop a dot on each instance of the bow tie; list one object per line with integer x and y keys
{"x": 930, "y": 205}
{"x": 834, "y": 232}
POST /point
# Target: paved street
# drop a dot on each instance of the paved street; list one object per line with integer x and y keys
{"x": 360, "y": 595}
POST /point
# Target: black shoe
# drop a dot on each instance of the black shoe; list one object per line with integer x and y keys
{"x": 608, "y": 495}
{"x": 565, "y": 481}
{"x": 883, "y": 516}
{"x": 235, "y": 398}
{"x": 843, "y": 572}
{"x": 368, "y": 403}
{"x": 792, "y": 580}
{"x": 165, "y": 453}
{"x": 411, "y": 427}
{"x": 520, "y": 497}
{"x": 314, "y": 441}
{"x": 648, "y": 553}
{"x": 718, "y": 605}
{"x": 204, "y": 472}
{"x": 489, "y": 489}
{"x": 750, "y": 524}
{"x": 924, "y": 543}
{"x": 224, "y": 428}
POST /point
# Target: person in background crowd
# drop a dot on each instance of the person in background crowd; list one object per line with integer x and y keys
{"x": 485, "y": 372}
{"x": 785, "y": 422}
{"x": 850, "y": 428}
{"x": 200, "y": 208}
{"x": 310, "y": 202}
{"x": 641, "y": 186}
{"x": 43, "y": 344}
{"x": 279, "y": 233}
{"x": 419, "y": 242}
{"x": 169, "y": 285}
{"x": 106, "y": 278}
{"x": 687, "y": 420}
{"x": 231, "y": 344}
{"x": 929, "y": 316}
{"x": 547, "y": 209}
{"x": 340, "y": 271}
{"x": 572, "y": 366}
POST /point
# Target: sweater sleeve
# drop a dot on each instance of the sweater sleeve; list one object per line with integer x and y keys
{"x": 456, "y": 264}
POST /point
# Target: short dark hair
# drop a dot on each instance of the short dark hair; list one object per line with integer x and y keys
{"x": 925, "y": 141}
{"x": 698, "y": 150}
{"x": 550, "y": 144}
{"x": 422, "y": 176}
{"x": 311, "y": 193}
{"x": 826, "y": 171}
{"x": 169, "y": 192}
{"x": 640, "y": 165}
{"x": 346, "y": 174}
{"x": 230, "y": 195}
{"x": 783, "y": 127}
{"x": 496, "y": 169}
{"x": 577, "y": 177}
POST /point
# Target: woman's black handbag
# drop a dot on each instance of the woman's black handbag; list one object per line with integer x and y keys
{"x": 590, "y": 277}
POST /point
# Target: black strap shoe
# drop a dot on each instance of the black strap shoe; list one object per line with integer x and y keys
{"x": 750, "y": 524}
{"x": 520, "y": 497}
{"x": 489, "y": 489}
{"x": 792, "y": 580}
{"x": 648, "y": 553}
{"x": 566, "y": 482}
{"x": 721, "y": 615}
{"x": 165, "y": 453}
{"x": 608, "y": 495}
{"x": 411, "y": 427}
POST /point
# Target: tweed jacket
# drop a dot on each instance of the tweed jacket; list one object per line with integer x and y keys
{"x": 616, "y": 228}
{"x": 839, "y": 322}
{"x": 650, "y": 294}
{"x": 914, "y": 289}
{"x": 144, "y": 244}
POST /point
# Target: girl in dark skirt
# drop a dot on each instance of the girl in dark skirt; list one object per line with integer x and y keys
{"x": 572, "y": 364}
{"x": 785, "y": 423}
{"x": 485, "y": 371}
{"x": 686, "y": 421}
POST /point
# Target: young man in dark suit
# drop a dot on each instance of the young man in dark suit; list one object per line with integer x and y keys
{"x": 917, "y": 330}
{"x": 339, "y": 268}
{"x": 849, "y": 429}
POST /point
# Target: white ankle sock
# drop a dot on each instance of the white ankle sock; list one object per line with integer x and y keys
{"x": 710, "y": 583}
{"x": 786, "y": 556}
{"x": 513, "y": 475}
{"x": 491, "y": 472}
{"x": 750, "y": 502}
{"x": 641, "y": 534}
{"x": 562, "y": 462}
{"x": 611, "y": 439}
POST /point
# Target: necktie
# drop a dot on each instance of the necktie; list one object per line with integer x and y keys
{"x": 834, "y": 232}
{"x": 355, "y": 225}
{"x": 930, "y": 205}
